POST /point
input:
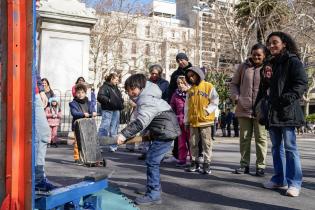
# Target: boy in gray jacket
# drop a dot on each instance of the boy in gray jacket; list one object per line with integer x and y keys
{"x": 155, "y": 115}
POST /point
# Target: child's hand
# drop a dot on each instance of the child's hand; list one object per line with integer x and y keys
{"x": 94, "y": 114}
{"x": 86, "y": 114}
{"x": 54, "y": 116}
{"x": 205, "y": 111}
{"x": 120, "y": 139}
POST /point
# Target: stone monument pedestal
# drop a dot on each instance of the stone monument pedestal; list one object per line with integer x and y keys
{"x": 64, "y": 41}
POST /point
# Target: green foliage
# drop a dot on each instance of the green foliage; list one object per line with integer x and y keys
{"x": 310, "y": 118}
{"x": 219, "y": 80}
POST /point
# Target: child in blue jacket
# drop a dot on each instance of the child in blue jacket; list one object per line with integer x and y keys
{"x": 80, "y": 107}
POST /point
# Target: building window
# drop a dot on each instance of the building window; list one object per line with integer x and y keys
{"x": 147, "y": 49}
{"x": 134, "y": 61}
{"x": 173, "y": 34}
{"x": 160, "y": 32}
{"x": 133, "y": 48}
{"x": 184, "y": 36}
{"x": 147, "y": 31}
{"x": 120, "y": 47}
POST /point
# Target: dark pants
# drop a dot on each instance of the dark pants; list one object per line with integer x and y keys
{"x": 228, "y": 129}
{"x": 175, "y": 148}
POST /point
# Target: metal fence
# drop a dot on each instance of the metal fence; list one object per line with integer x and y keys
{"x": 66, "y": 119}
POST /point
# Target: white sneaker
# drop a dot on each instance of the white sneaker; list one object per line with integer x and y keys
{"x": 272, "y": 185}
{"x": 293, "y": 192}
{"x": 170, "y": 159}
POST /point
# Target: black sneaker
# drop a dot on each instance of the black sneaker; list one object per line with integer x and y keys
{"x": 260, "y": 172}
{"x": 45, "y": 186}
{"x": 242, "y": 170}
{"x": 54, "y": 145}
{"x": 206, "y": 169}
{"x": 194, "y": 166}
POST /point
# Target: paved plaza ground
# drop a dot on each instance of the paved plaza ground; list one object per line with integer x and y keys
{"x": 193, "y": 191}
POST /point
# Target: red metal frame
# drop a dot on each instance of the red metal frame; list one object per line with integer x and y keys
{"x": 19, "y": 109}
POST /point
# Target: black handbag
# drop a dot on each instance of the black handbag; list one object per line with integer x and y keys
{"x": 262, "y": 110}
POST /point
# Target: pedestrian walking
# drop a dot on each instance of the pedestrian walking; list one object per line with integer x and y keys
{"x": 244, "y": 88}
{"x": 201, "y": 103}
{"x": 287, "y": 84}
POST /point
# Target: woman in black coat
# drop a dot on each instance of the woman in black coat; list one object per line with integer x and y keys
{"x": 285, "y": 83}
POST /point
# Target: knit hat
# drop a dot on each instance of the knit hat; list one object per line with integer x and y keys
{"x": 181, "y": 56}
{"x": 53, "y": 99}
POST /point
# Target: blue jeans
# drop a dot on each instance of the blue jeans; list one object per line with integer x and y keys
{"x": 42, "y": 137}
{"x": 155, "y": 154}
{"x": 109, "y": 124}
{"x": 286, "y": 159}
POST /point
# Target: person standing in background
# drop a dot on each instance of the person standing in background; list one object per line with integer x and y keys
{"x": 110, "y": 98}
{"x": 244, "y": 88}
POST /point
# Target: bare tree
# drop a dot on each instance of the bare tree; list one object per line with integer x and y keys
{"x": 116, "y": 20}
{"x": 301, "y": 26}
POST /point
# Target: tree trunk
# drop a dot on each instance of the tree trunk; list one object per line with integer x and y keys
{"x": 307, "y": 108}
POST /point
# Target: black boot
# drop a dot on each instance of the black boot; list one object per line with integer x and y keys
{"x": 260, "y": 172}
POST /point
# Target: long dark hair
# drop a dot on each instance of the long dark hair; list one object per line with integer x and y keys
{"x": 46, "y": 80}
{"x": 291, "y": 45}
{"x": 80, "y": 78}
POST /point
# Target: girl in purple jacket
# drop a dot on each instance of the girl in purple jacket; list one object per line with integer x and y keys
{"x": 178, "y": 104}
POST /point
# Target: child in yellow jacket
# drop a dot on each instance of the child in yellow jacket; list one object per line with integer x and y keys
{"x": 201, "y": 103}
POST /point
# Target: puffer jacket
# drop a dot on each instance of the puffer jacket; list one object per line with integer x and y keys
{"x": 50, "y": 113}
{"x": 178, "y": 106}
{"x": 110, "y": 97}
{"x": 244, "y": 88}
{"x": 154, "y": 114}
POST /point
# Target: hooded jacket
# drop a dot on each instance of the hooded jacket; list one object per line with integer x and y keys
{"x": 244, "y": 88}
{"x": 110, "y": 97}
{"x": 154, "y": 114}
{"x": 201, "y": 102}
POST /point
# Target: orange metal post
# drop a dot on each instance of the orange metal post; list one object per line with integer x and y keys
{"x": 18, "y": 138}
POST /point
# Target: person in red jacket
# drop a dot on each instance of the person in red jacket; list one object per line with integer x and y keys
{"x": 178, "y": 104}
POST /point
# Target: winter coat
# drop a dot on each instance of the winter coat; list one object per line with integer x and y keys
{"x": 50, "y": 112}
{"x": 110, "y": 97}
{"x": 178, "y": 105}
{"x": 77, "y": 112}
{"x": 163, "y": 85}
{"x": 173, "y": 83}
{"x": 244, "y": 88}
{"x": 153, "y": 114}
{"x": 287, "y": 86}
{"x": 201, "y": 102}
